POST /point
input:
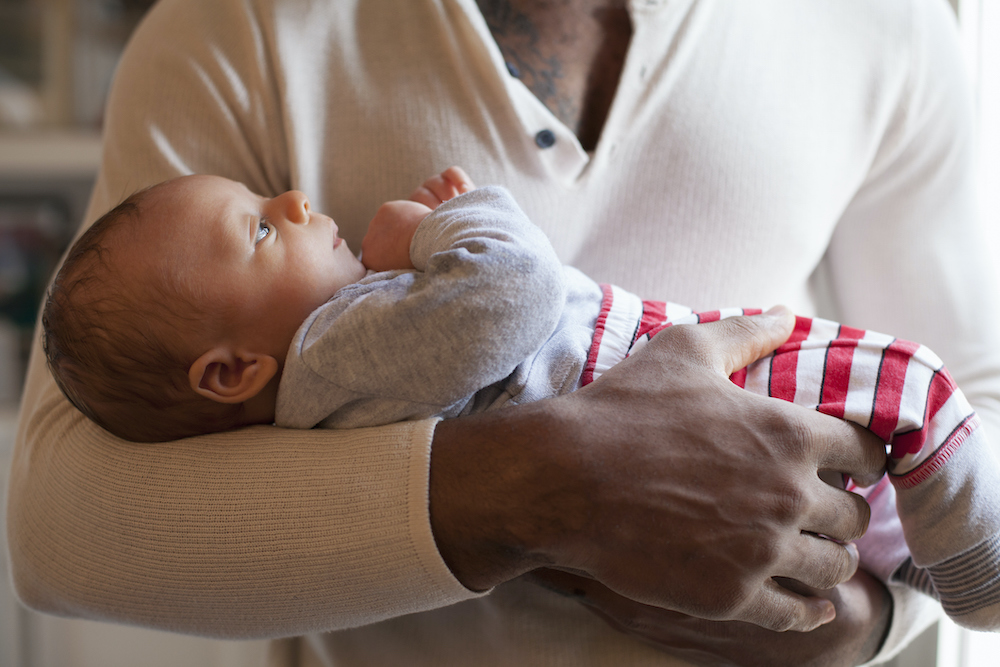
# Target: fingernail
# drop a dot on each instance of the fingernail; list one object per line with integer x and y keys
{"x": 831, "y": 613}
{"x": 776, "y": 310}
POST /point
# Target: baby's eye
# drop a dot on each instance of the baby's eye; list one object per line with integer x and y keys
{"x": 263, "y": 229}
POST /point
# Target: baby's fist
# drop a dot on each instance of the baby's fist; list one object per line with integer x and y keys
{"x": 386, "y": 246}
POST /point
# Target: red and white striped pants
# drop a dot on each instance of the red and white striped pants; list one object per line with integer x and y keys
{"x": 898, "y": 390}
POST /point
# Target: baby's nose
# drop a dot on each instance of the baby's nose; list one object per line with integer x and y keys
{"x": 296, "y": 206}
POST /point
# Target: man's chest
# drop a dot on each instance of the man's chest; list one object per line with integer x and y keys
{"x": 569, "y": 53}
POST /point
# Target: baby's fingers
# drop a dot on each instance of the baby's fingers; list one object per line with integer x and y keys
{"x": 459, "y": 179}
{"x": 436, "y": 190}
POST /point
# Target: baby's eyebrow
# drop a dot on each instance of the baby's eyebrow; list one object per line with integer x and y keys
{"x": 253, "y": 222}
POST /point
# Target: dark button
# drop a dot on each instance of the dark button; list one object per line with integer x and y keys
{"x": 545, "y": 139}
{"x": 514, "y": 72}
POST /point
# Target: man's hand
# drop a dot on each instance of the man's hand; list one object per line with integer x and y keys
{"x": 663, "y": 481}
{"x": 864, "y": 609}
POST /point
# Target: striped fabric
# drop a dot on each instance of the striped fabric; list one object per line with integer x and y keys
{"x": 965, "y": 583}
{"x": 898, "y": 390}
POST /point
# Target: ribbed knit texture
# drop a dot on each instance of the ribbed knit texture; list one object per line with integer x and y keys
{"x": 247, "y": 538}
{"x": 753, "y": 148}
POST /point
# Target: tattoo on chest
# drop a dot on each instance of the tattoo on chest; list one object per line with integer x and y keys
{"x": 533, "y": 60}
{"x": 569, "y": 53}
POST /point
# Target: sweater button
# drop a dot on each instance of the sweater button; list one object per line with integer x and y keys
{"x": 545, "y": 139}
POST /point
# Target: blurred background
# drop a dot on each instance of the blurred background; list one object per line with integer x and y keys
{"x": 57, "y": 59}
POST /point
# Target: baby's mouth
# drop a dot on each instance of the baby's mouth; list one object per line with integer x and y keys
{"x": 336, "y": 239}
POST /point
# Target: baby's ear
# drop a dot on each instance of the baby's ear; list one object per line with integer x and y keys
{"x": 226, "y": 376}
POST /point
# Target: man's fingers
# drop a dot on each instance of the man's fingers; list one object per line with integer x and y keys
{"x": 773, "y": 606}
{"x": 836, "y": 513}
{"x": 735, "y": 342}
{"x": 779, "y": 609}
{"x": 819, "y": 563}
{"x": 854, "y": 450}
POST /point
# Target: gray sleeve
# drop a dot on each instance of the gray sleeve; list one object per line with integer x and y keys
{"x": 402, "y": 345}
{"x": 952, "y": 526}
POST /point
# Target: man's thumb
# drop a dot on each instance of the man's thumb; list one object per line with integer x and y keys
{"x": 745, "y": 339}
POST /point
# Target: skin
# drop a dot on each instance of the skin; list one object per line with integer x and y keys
{"x": 386, "y": 245}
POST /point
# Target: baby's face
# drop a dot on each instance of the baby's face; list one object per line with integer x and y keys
{"x": 269, "y": 261}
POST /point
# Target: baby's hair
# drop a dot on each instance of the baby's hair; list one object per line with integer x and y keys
{"x": 115, "y": 346}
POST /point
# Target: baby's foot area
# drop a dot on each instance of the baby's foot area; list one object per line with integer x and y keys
{"x": 967, "y": 585}
{"x": 951, "y": 521}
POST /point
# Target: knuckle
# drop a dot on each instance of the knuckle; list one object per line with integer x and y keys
{"x": 857, "y": 521}
{"x": 725, "y": 599}
{"x": 742, "y": 326}
{"x": 765, "y": 553}
{"x": 783, "y": 620}
{"x": 748, "y": 331}
{"x": 686, "y": 339}
{"x": 836, "y": 573}
{"x": 778, "y": 618}
{"x": 796, "y": 436}
{"x": 790, "y": 504}
{"x": 731, "y": 602}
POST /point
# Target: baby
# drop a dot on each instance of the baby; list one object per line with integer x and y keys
{"x": 198, "y": 306}
{"x": 172, "y": 314}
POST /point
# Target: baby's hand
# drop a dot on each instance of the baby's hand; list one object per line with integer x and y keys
{"x": 436, "y": 190}
{"x": 386, "y": 246}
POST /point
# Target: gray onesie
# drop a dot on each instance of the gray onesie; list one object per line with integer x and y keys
{"x": 489, "y": 317}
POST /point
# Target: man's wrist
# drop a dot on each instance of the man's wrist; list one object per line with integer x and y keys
{"x": 491, "y": 500}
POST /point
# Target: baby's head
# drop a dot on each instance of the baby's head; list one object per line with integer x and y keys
{"x": 173, "y": 313}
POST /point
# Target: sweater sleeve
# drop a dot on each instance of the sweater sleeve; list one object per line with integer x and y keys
{"x": 487, "y": 293}
{"x": 263, "y": 532}
{"x": 893, "y": 252}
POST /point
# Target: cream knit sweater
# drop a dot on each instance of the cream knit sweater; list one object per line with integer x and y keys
{"x": 814, "y": 154}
